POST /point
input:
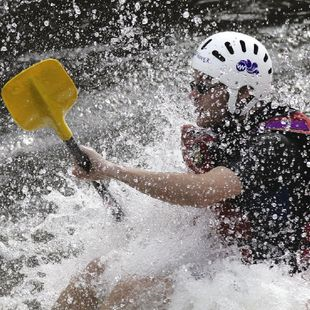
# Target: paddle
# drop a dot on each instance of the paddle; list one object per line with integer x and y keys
{"x": 40, "y": 97}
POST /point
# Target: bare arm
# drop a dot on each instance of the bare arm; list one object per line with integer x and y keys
{"x": 199, "y": 190}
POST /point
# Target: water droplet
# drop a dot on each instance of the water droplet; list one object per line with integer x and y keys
{"x": 145, "y": 21}
{"x": 137, "y": 6}
{"x": 42, "y": 171}
{"x": 25, "y": 189}
{"x": 197, "y": 20}
{"x": 186, "y": 14}
{"x": 46, "y": 23}
{"x": 76, "y": 8}
{"x": 4, "y": 49}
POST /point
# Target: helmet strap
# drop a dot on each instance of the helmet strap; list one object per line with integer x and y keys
{"x": 251, "y": 104}
{"x": 232, "y": 101}
{"x": 231, "y": 104}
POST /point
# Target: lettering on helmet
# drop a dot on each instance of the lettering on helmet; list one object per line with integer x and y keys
{"x": 248, "y": 66}
{"x": 203, "y": 59}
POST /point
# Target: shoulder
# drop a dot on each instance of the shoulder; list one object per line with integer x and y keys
{"x": 273, "y": 137}
{"x": 272, "y": 142}
{"x": 265, "y": 156}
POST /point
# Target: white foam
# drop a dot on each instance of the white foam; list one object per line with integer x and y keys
{"x": 156, "y": 238}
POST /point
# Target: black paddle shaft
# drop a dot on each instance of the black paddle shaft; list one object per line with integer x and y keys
{"x": 84, "y": 162}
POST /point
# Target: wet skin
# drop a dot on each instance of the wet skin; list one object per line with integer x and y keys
{"x": 211, "y": 106}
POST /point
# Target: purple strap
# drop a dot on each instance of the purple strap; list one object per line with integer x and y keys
{"x": 289, "y": 124}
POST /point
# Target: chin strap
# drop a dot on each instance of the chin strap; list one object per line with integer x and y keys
{"x": 249, "y": 106}
{"x": 231, "y": 104}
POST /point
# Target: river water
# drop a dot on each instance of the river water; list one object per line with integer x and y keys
{"x": 131, "y": 106}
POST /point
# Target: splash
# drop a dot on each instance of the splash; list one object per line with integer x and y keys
{"x": 56, "y": 225}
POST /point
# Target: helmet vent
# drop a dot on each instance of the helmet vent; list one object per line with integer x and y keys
{"x": 255, "y": 49}
{"x": 265, "y": 58}
{"x": 229, "y": 48}
{"x": 243, "y": 47}
{"x": 270, "y": 71}
{"x": 204, "y": 46}
{"x": 220, "y": 57}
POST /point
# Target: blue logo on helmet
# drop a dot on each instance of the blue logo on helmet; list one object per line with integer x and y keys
{"x": 248, "y": 66}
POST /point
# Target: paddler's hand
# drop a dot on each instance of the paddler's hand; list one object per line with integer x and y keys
{"x": 100, "y": 169}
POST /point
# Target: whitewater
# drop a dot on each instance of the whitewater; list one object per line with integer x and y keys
{"x": 135, "y": 121}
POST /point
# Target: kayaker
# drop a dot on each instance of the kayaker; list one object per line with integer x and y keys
{"x": 248, "y": 155}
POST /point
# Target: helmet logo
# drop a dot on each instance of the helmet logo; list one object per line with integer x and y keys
{"x": 247, "y": 65}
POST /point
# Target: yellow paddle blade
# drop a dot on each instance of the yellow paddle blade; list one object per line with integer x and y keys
{"x": 40, "y": 96}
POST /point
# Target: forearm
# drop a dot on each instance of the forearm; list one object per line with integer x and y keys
{"x": 178, "y": 188}
{"x": 198, "y": 190}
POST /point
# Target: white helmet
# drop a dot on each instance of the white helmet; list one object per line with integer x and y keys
{"x": 236, "y": 60}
